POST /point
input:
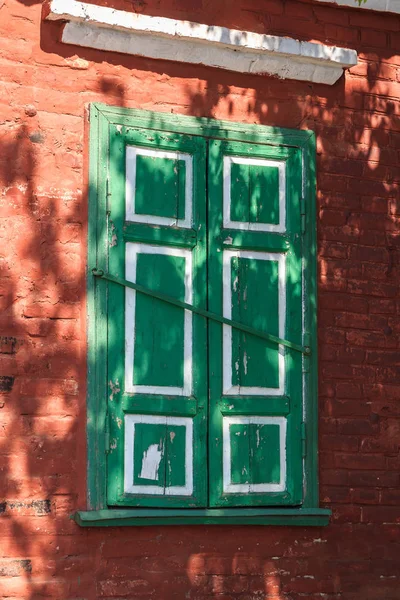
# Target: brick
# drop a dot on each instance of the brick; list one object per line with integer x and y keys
{"x": 360, "y": 461}
{"x": 374, "y": 39}
{"x": 360, "y": 321}
{"x": 390, "y": 497}
{"x": 355, "y": 427}
{"x": 377, "y": 514}
{"x": 369, "y": 339}
{"x": 364, "y": 496}
{"x": 344, "y": 34}
{"x": 339, "y": 442}
{"x": 374, "y": 479}
{"x": 373, "y": 20}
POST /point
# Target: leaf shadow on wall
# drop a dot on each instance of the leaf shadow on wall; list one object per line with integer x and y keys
{"x": 43, "y": 414}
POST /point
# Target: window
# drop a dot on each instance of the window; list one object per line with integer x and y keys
{"x": 201, "y": 300}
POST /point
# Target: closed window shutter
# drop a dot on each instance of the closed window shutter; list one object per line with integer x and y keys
{"x": 255, "y": 277}
{"x": 156, "y": 351}
{"x": 199, "y": 413}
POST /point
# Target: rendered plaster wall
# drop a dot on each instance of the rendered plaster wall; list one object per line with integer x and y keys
{"x": 45, "y": 87}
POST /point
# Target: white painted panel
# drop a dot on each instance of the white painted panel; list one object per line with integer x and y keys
{"x": 227, "y": 223}
{"x": 242, "y": 488}
{"x": 151, "y": 467}
{"x": 131, "y": 153}
{"x": 228, "y": 388}
{"x": 105, "y": 28}
{"x": 131, "y": 253}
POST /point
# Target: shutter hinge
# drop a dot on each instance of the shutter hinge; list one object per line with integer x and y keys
{"x": 108, "y": 194}
{"x": 107, "y": 435}
{"x": 306, "y": 357}
{"x": 303, "y": 440}
{"x": 303, "y": 214}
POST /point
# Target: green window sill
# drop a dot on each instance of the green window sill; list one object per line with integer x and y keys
{"x": 301, "y": 517}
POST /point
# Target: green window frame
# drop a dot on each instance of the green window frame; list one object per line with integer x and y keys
{"x": 153, "y": 425}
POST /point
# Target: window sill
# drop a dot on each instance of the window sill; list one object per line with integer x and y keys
{"x": 258, "y": 516}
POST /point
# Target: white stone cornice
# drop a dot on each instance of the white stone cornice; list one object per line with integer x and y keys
{"x": 392, "y": 6}
{"x": 113, "y": 30}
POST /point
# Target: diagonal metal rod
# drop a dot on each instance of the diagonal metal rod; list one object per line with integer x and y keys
{"x": 199, "y": 311}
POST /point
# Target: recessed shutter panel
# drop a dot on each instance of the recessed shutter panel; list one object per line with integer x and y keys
{"x": 255, "y": 278}
{"x": 157, "y": 404}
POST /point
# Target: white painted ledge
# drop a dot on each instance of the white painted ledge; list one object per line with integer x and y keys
{"x": 392, "y": 6}
{"x": 107, "y": 29}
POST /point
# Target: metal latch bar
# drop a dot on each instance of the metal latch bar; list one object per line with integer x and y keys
{"x": 199, "y": 311}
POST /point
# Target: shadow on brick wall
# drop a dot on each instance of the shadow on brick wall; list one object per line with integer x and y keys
{"x": 42, "y": 381}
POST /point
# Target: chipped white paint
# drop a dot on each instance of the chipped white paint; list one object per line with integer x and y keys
{"x": 151, "y": 462}
{"x": 131, "y": 154}
{"x": 258, "y": 438}
{"x": 257, "y": 162}
{"x": 228, "y": 388}
{"x": 132, "y": 251}
{"x": 129, "y": 462}
{"x": 245, "y": 488}
{"x": 392, "y": 6}
{"x": 105, "y": 28}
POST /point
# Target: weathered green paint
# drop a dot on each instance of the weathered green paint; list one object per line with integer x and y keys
{"x": 158, "y": 234}
{"x": 159, "y": 345}
{"x": 298, "y": 517}
{"x": 255, "y": 197}
{"x": 254, "y": 288}
{"x": 102, "y": 119}
{"x": 159, "y": 327}
{"x": 160, "y": 187}
{"x": 199, "y": 311}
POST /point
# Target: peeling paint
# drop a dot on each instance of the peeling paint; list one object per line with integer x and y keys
{"x": 114, "y": 238}
{"x": 115, "y": 389}
{"x": 172, "y": 434}
{"x": 151, "y": 462}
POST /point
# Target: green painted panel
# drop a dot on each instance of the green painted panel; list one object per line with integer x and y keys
{"x": 255, "y": 302}
{"x": 149, "y": 454}
{"x": 159, "y": 337}
{"x": 264, "y": 194}
{"x": 255, "y": 453}
{"x": 265, "y": 461}
{"x": 253, "y": 276}
{"x": 175, "y": 474}
{"x": 240, "y": 453}
{"x": 240, "y": 204}
{"x": 160, "y": 187}
{"x": 159, "y": 455}
{"x": 159, "y": 327}
{"x": 254, "y": 193}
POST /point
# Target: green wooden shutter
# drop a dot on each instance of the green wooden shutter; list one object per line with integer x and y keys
{"x": 255, "y": 277}
{"x": 157, "y": 370}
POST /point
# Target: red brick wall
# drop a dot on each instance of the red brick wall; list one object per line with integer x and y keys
{"x": 44, "y": 89}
